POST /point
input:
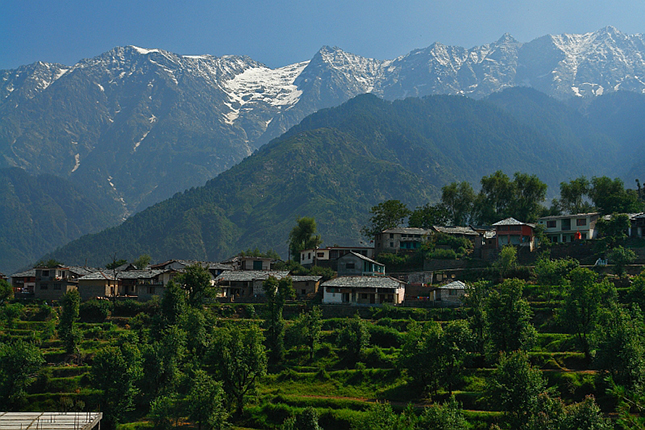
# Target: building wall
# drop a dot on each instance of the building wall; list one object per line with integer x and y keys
{"x": 97, "y": 288}
{"x": 332, "y": 295}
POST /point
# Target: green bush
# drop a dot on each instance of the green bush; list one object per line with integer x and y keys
{"x": 95, "y": 310}
{"x": 128, "y": 308}
{"x": 442, "y": 254}
{"x": 385, "y": 337}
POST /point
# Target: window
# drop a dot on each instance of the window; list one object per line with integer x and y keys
{"x": 363, "y": 296}
{"x": 257, "y": 265}
{"x": 303, "y": 292}
{"x": 309, "y": 256}
{"x": 43, "y": 286}
{"x": 551, "y": 224}
{"x": 391, "y": 244}
{"x": 320, "y": 254}
{"x": 566, "y": 224}
{"x": 46, "y": 273}
{"x": 350, "y": 265}
{"x": 151, "y": 290}
{"x": 452, "y": 292}
{"x": 581, "y": 221}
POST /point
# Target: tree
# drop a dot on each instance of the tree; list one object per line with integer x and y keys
{"x": 18, "y": 363}
{"x": 457, "y": 343}
{"x": 506, "y": 261}
{"x": 303, "y": 236}
{"x": 501, "y": 198}
{"x": 277, "y": 293}
{"x": 305, "y": 420}
{"x": 445, "y": 416}
{"x": 508, "y": 318}
{"x": 428, "y": 215}
{"x": 458, "y": 200}
{"x": 142, "y": 261}
{"x": 67, "y": 331}
{"x": 239, "y": 359}
{"x": 585, "y": 415}
{"x": 552, "y": 273}
{"x": 621, "y": 346}
{"x": 515, "y": 386}
{"x": 582, "y": 306}
{"x": 475, "y": 300}
{"x": 610, "y": 196}
{"x": 530, "y": 192}
{"x": 206, "y": 402}
{"x": 621, "y": 257}
{"x": 354, "y": 337}
{"x": 196, "y": 281}
{"x": 386, "y": 215}
{"x": 115, "y": 371}
{"x": 6, "y": 292}
{"x": 615, "y": 228}
{"x": 173, "y": 304}
{"x": 308, "y": 328}
{"x": 422, "y": 355}
{"x": 573, "y": 196}
{"x": 115, "y": 263}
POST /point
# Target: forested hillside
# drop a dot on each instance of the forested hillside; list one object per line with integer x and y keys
{"x": 41, "y": 212}
{"x": 336, "y": 165}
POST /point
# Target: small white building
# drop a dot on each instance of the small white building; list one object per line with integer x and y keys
{"x": 567, "y": 228}
{"x": 363, "y": 290}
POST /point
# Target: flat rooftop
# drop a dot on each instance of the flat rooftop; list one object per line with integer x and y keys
{"x": 49, "y": 420}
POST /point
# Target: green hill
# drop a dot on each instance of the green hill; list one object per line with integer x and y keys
{"x": 41, "y": 212}
{"x": 334, "y": 166}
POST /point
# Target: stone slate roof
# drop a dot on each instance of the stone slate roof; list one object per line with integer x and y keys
{"x": 454, "y": 285}
{"x": 306, "y": 278}
{"x": 407, "y": 230}
{"x": 468, "y": 231}
{"x": 82, "y": 271}
{"x": 552, "y": 217}
{"x": 512, "y": 221}
{"x": 140, "y": 274}
{"x": 250, "y": 275}
{"x": 26, "y": 274}
{"x": 97, "y": 276}
{"x": 362, "y": 257}
{"x": 363, "y": 282}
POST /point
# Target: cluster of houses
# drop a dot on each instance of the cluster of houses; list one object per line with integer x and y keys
{"x": 361, "y": 279}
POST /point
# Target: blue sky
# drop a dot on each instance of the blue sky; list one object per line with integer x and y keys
{"x": 281, "y": 32}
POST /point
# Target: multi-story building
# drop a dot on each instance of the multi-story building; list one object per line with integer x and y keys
{"x": 567, "y": 228}
{"x": 397, "y": 240}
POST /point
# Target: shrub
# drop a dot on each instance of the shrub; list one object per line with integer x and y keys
{"x": 95, "y": 310}
{"x": 385, "y": 337}
{"x": 443, "y": 254}
{"x": 128, "y": 308}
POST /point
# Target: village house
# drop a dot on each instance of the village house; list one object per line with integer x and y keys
{"x": 24, "y": 282}
{"x": 248, "y": 262}
{"x": 327, "y": 257}
{"x": 97, "y": 284}
{"x": 513, "y": 232}
{"x": 144, "y": 284}
{"x": 397, "y": 240}
{"x": 306, "y": 287}
{"x": 353, "y": 264}
{"x": 637, "y": 225}
{"x": 363, "y": 290}
{"x": 53, "y": 282}
{"x": 245, "y": 283}
{"x": 567, "y": 228}
{"x": 450, "y": 293}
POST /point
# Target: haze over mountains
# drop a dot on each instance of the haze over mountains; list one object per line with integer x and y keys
{"x": 134, "y": 126}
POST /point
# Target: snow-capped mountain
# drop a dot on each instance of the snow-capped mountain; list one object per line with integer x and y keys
{"x": 135, "y": 125}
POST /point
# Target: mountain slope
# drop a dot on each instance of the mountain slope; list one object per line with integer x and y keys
{"x": 334, "y": 166}
{"x": 41, "y": 212}
{"x": 134, "y": 126}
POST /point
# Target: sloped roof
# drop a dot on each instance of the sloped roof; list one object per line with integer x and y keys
{"x": 362, "y": 257}
{"x": 552, "y": 217}
{"x": 309, "y": 278}
{"x": 250, "y": 275}
{"x": 97, "y": 276}
{"x": 140, "y": 274}
{"x": 454, "y": 285}
{"x": 407, "y": 230}
{"x": 26, "y": 274}
{"x": 512, "y": 221}
{"x": 364, "y": 282}
{"x": 455, "y": 230}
